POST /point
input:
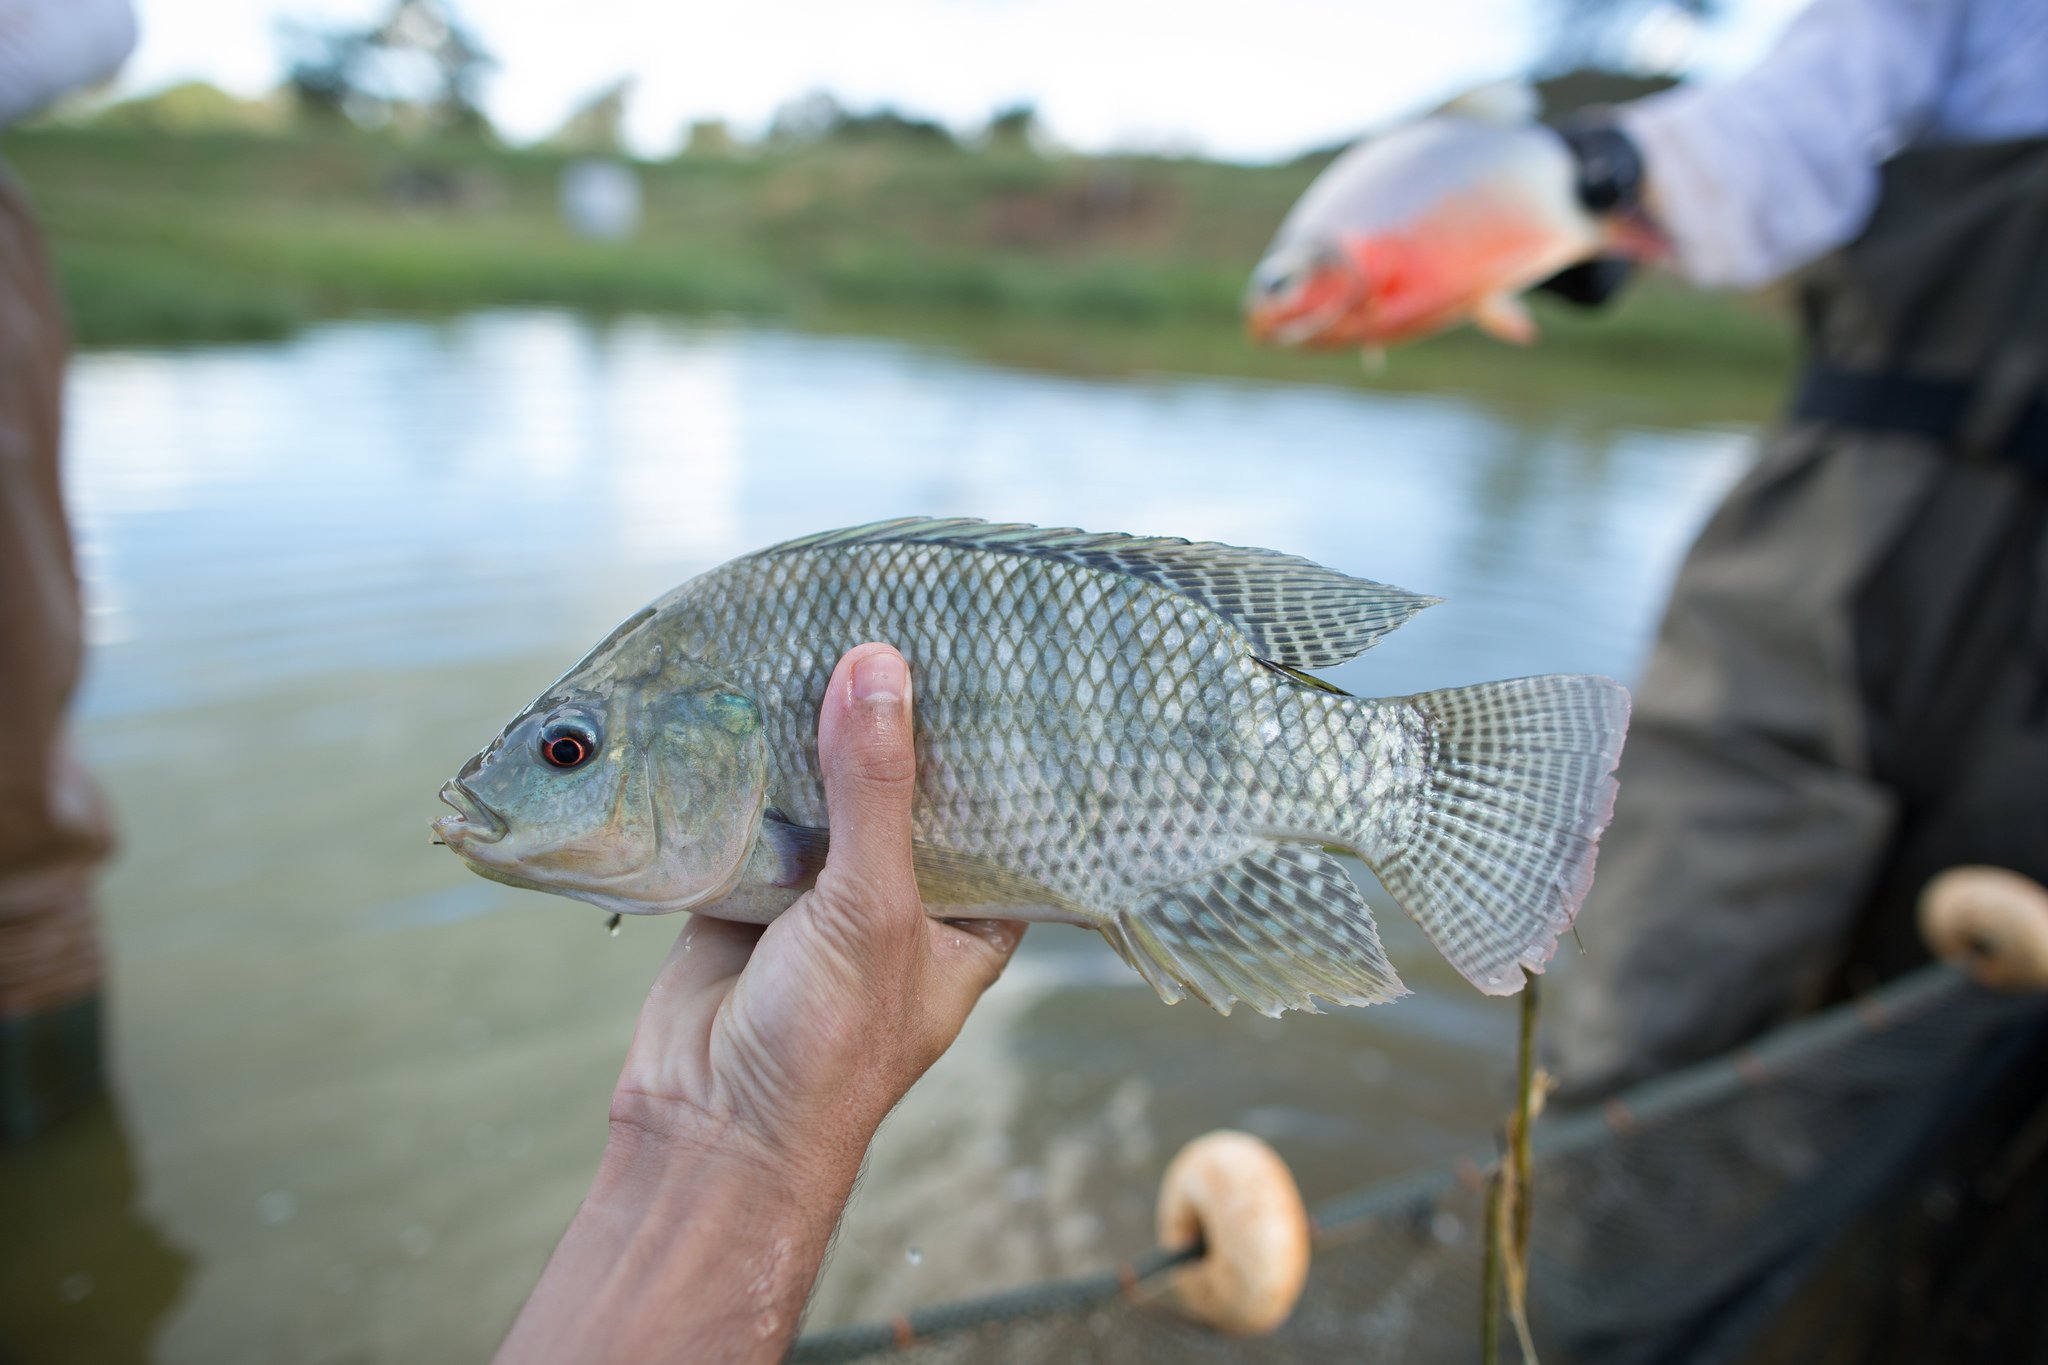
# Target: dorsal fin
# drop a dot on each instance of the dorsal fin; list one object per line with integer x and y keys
{"x": 1294, "y": 610}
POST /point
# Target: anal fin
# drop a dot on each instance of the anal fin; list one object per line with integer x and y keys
{"x": 1278, "y": 928}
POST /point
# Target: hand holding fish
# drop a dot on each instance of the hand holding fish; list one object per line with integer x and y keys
{"x": 1445, "y": 220}
{"x": 823, "y": 1019}
{"x": 763, "y": 1062}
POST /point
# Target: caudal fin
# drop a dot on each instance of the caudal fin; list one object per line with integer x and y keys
{"x": 1497, "y": 853}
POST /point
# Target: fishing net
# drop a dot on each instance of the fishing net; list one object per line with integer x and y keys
{"x": 1757, "y": 1207}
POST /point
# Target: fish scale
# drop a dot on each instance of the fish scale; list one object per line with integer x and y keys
{"x": 1110, "y": 730}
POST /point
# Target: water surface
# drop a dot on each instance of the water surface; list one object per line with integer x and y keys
{"x": 359, "y": 1090}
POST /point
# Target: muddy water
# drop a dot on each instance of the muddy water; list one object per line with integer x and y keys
{"x": 359, "y": 1091}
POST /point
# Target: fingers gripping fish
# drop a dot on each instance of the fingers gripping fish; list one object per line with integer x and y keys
{"x": 1112, "y": 731}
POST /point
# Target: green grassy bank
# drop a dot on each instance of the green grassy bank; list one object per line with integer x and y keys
{"x": 1096, "y": 264}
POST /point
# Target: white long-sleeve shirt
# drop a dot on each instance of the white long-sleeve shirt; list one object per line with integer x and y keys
{"x": 51, "y": 47}
{"x": 1756, "y": 176}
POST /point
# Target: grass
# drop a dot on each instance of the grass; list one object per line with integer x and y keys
{"x": 1099, "y": 264}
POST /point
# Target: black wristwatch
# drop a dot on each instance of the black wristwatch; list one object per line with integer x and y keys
{"x": 1610, "y": 182}
{"x": 1610, "y": 164}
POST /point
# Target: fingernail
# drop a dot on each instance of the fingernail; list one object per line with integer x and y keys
{"x": 879, "y": 677}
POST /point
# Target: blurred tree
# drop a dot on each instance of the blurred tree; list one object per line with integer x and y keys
{"x": 809, "y": 117}
{"x": 709, "y": 137}
{"x": 1618, "y": 35}
{"x": 1013, "y": 128}
{"x": 597, "y": 127}
{"x": 1574, "y": 90}
{"x": 820, "y": 117}
{"x": 189, "y": 107}
{"x": 418, "y": 69}
{"x": 318, "y": 67}
{"x": 887, "y": 124}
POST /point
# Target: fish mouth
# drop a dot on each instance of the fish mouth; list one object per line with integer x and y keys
{"x": 1311, "y": 326}
{"x": 473, "y": 821}
{"x": 1278, "y": 325}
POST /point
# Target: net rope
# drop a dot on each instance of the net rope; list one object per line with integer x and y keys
{"x": 1680, "y": 1221}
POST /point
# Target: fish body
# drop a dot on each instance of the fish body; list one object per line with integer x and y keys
{"x": 1442, "y": 220}
{"x": 1110, "y": 731}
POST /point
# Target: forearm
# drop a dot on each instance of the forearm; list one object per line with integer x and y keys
{"x": 684, "y": 1249}
{"x": 1753, "y": 177}
{"x": 763, "y": 1063}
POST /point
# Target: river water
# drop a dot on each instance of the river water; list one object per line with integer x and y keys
{"x": 359, "y": 1090}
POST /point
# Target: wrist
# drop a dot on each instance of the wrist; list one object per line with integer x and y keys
{"x": 1611, "y": 182}
{"x": 690, "y": 1240}
{"x": 655, "y": 1140}
{"x": 652, "y": 1153}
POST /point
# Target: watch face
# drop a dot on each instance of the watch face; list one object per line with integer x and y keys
{"x": 1610, "y": 167}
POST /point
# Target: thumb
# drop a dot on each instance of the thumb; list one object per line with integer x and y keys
{"x": 870, "y": 770}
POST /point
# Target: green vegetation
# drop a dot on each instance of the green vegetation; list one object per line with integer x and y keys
{"x": 1120, "y": 264}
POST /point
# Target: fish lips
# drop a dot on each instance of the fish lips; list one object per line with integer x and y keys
{"x": 473, "y": 821}
{"x": 1292, "y": 320}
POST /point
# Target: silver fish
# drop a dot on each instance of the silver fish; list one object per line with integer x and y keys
{"x": 1111, "y": 731}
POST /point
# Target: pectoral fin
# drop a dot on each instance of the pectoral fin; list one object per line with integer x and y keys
{"x": 1506, "y": 317}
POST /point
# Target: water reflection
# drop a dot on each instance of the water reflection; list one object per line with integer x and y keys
{"x": 365, "y": 1089}
{"x": 86, "y": 1275}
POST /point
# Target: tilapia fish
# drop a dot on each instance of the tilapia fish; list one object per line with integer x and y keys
{"x": 1111, "y": 731}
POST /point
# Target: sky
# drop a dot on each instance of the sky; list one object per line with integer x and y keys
{"x": 1252, "y": 80}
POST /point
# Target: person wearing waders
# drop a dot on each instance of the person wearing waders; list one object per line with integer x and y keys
{"x": 1849, "y": 689}
{"x": 1848, "y": 694}
{"x": 53, "y": 829}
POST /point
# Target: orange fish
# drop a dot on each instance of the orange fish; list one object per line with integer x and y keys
{"x": 1442, "y": 220}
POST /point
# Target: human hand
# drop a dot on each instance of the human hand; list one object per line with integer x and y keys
{"x": 763, "y": 1062}
{"x": 798, "y": 1038}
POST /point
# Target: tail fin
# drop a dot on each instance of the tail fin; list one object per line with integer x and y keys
{"x": 1518, "y": 783}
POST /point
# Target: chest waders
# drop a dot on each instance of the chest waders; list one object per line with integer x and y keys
{"x": 1849, "y": 690}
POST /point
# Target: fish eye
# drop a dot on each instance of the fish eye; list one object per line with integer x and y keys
{"x": 1284, "y": 280}
{"x": 568, "y": 742}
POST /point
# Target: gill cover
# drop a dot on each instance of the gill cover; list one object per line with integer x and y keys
{"x": 661, "y": 814}
{"x": 708, "y": 784}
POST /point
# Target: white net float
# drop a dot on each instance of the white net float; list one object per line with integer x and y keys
{"x": 1236, "y": 1196}
{"x": 1992, "y": 923}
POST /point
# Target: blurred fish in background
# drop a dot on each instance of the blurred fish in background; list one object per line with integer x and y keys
{"x": 1444, "y": 220}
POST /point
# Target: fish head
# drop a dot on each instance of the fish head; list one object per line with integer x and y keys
{"x": 1308, "y": 292}
{"x": 638, "y": 784}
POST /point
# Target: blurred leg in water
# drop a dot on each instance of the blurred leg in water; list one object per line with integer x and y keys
{"x": 53, "y": 828}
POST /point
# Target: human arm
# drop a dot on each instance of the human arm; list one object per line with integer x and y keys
{"x": 1753, "y": 177}
{"x": 51, "y": 47}
{"x": 763, "y": 1062}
